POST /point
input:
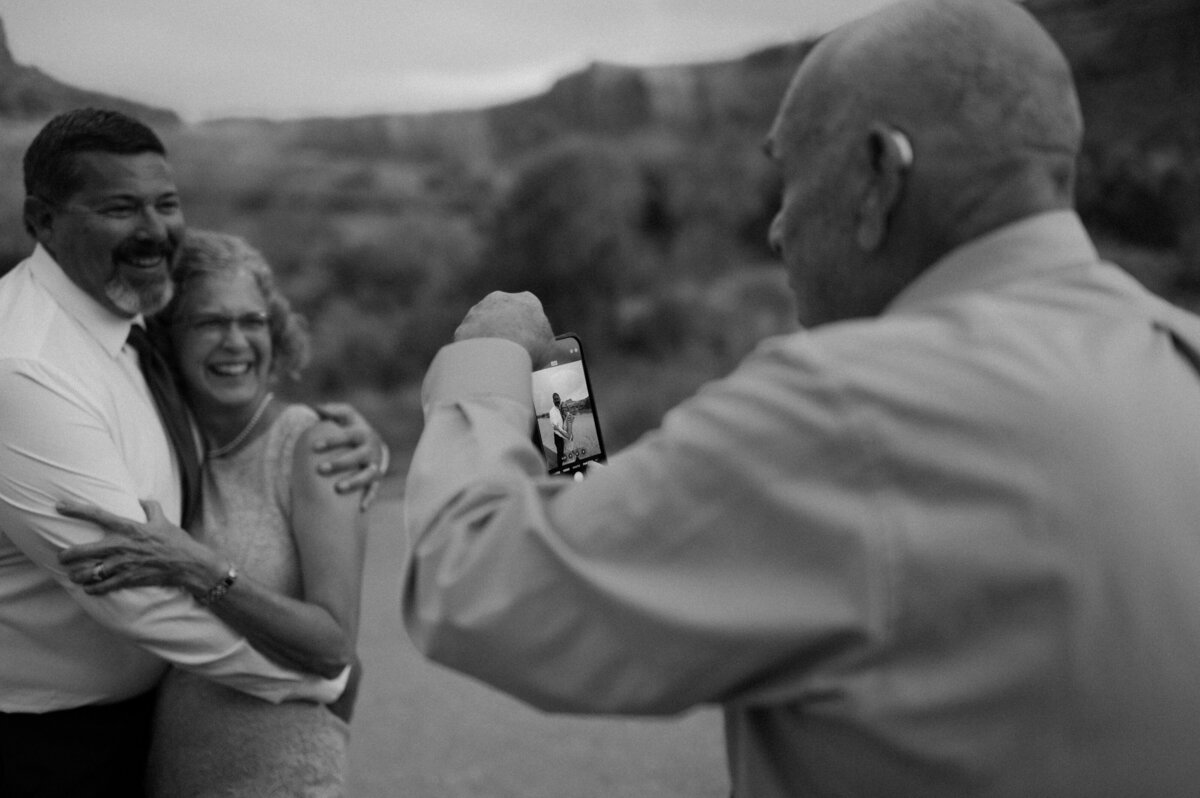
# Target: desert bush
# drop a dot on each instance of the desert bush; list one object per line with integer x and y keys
{"x": 568, "y": 231}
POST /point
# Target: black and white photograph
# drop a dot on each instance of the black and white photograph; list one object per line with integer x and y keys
{"x": 879, "y": 479}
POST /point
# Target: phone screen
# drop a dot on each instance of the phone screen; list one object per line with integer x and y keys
{"x": 568, "y": 427}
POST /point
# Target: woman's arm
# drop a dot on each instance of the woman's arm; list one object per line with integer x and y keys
{"x": 315, "y": 634}
{"x": 319, "y": 633}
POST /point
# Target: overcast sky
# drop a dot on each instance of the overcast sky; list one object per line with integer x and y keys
{"x": 288, "y": 58}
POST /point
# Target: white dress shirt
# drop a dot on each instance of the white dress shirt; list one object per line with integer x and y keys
{"x": 77, "y": 422}
{"x": 951, "y": 551}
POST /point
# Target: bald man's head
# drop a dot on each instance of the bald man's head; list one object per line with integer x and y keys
{"x": 983, "y": 72}
{"x": 980, "y": 95}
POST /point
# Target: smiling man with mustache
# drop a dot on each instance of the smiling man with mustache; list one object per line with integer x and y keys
{"x": 79, "y": 421}
{"x": 116, "y": 236}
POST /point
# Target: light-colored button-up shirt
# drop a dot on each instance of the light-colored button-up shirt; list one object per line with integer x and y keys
{"x": 951, "y": 551}
{"x": 77, "y": 421}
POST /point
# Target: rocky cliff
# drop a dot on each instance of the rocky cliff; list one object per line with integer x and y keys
{"x": 28, "y": 93}
{"x": 614, "y": 99}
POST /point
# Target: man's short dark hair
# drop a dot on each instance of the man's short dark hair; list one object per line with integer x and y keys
{"x": 51, "y": 172}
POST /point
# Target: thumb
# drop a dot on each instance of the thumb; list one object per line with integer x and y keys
{"x": 153, "y": 510}
{"x": 338, "y": 412}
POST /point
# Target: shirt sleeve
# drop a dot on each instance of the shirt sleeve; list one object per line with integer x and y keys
{"x": 54, "y": 445}
{"x": 727, "y": 557}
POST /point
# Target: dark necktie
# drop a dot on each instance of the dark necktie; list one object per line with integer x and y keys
{"x": 174, "y": 415}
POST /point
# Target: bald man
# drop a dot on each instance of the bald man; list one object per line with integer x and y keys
{"x": 944, "y": 542}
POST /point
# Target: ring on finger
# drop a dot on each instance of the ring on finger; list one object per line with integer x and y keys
{"x": 98, "y": 572}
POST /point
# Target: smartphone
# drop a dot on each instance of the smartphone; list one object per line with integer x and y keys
{"x": 568, "y": 428}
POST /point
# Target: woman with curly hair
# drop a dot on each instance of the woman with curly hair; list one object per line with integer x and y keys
{"x": 283, "y": 549}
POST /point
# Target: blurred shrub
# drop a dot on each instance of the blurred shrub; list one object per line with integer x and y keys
{"x": 567, "y": 230}
{"x": 15, "y": 243}
{"x": 1124, "y": 194}
{"x": 721, "y": 321}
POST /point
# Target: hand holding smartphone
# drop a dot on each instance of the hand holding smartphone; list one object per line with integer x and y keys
{"x": 568, "y": 428}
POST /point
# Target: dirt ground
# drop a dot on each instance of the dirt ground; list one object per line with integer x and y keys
{"x": 422, "y": 731}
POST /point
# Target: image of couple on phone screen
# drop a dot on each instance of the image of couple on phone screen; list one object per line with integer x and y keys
{"x": 566, "y": 418}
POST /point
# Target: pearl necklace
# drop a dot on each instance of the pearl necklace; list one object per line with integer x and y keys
{"x": 221, "y": 451}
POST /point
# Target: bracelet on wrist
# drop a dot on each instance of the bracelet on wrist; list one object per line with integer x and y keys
{"x": 217, "y": 591}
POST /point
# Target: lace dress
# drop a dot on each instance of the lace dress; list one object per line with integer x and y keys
{"x": 211, "y": 740}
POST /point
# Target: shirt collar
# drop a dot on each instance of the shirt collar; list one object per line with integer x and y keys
{"x": 109, "y": 329}
{"x": 1038, "y": 244}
